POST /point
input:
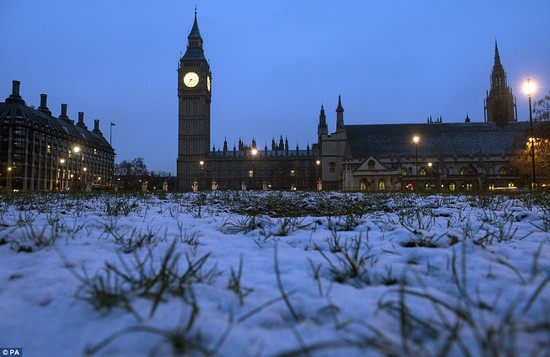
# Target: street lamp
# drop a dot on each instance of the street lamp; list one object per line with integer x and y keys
{"x": 202, "y": 171}
{"x": 85, "y": 183}
{"x": 529, "y": 88}
{"x": 254, "y": 153}
{"x": 319, "y": 181}
{"x": 8, "y": 183}
{"x": 62, "y": 162}
{"x": 76, "y": 167}
{"x": 416, "y": 139}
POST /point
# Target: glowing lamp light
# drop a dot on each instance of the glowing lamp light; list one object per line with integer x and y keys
{"x": 254, "y": 152}
{"x": 76, "y": 149}
{"x": 529, "y": 87}
{"x": 416, "y": 139}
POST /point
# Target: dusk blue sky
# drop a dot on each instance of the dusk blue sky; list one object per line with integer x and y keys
{"x": 273, "y": 63}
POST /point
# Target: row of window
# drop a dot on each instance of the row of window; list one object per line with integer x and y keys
{"x": 463, "y": 171}
{"x": 452, "y": 187}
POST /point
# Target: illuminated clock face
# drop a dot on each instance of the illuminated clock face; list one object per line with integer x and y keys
{"x": 191, "y": 79}
{"x": 208, "y": 83}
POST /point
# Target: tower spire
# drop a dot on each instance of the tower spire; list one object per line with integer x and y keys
{"x": 194, "y": 42}
{"x": 339, "y": 115}
{"x": 195, "y": 38}
{"x": 497, "y": 56}
{"x": 322, "y": 127}
{"x": 499, "y": 104}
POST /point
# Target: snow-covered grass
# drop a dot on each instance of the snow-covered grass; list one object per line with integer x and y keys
{"x": 275, "y": 274}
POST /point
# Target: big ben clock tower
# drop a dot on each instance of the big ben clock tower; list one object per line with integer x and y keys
{"x": 194, "y": 96}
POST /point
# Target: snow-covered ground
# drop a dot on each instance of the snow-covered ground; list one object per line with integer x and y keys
{"x": 271, "y": 274}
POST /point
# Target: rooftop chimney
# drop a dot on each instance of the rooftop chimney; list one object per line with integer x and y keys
{"x": 43, "y": 104}
{"x": 15, "y": 97}
{"x": 63, "y": 111}
{"x": 96, "y": 127}
{"x": 15, "y": 88}
{"x": 81, "y": 121}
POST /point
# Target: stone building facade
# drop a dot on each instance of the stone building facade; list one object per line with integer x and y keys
{"x": 246, "y": 166}
{"x": 40, "y": 152}
{"x": 446, "y": 157}
{"x": 462, "y": 156}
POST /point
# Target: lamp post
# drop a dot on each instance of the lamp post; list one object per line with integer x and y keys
{"x": 76, "y": 168}
{"x": 85, "y": 183}
{"x": 319, "y": 181}
{"x": 529, "y": 88}
{"x": 430, "y": 172}
{"x": 8, "y": 183}
{"x": 62, "y": 162}
{"x": 254, "y": 153}
{"x": 416, "y": 139}
{"x": 202, "y": 172}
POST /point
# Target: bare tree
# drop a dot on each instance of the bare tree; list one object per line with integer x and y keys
{"x": 130, "y": 174}
{"x": 541, "y": 109}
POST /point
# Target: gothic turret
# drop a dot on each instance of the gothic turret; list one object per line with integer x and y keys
{"x": 500, "y": 106}
{"x": 322, "y": 127}
{"x": 340, "y": 116}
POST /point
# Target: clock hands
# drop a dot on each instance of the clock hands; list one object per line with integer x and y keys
{"x": 191, "y": 79}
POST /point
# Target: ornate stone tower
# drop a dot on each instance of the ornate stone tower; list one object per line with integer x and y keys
{"x": 340, "y": 116}
{"x": 500, "y": 106}
{"x": 322, "y": 128}
{"x": 194, "y": 97}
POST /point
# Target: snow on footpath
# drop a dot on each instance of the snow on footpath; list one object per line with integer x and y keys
{"x": 274, "y": 274}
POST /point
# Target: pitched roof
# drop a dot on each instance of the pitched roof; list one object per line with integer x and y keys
{"x": 194, "y": 53}
{"x": 11, "y": 112}
{"x": 448, "y": 139}
{"x": 195, "y": 33}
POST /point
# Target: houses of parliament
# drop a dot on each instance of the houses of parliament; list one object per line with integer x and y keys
{"x": 39, "y": 151}
{"x": 464, "y": 156}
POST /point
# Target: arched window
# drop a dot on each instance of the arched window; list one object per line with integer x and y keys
{"x": 381, "y": 184}
{"x": 404, "y": 172}
{"x": 363, "y": 184}
{"x": 511, "y": 185}
{"x": 423, "y": 172}
{"x": 502, "y": 171}
{"x": 452, "y": 187}
{"x": 469, "y": 187}
{"x": 332, "y": 166}
{"x": 463, "y": 171}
